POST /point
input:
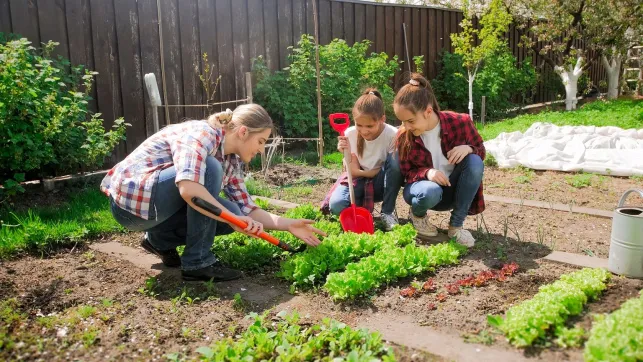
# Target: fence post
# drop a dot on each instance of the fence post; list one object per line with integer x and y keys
{"x": 249, "y": 87}
{"x": 482, "y": 110}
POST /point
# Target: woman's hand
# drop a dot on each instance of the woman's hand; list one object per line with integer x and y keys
{"x": 438, "y": 177}
{"x": 458, "y": 153}
{"x": 342, "y": 143}
{"x": 303, "y": 229}
{"x": 254, "y": 227}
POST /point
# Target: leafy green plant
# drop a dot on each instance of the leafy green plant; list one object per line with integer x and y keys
{"x": 256, "y": 187}
{"x": 47, "y": 128}
{"x": 569, "y": 337}
{"x": 310, "y": 267}
{"x": 286, "y": 340}
{"x": 290, "y": 95}
{"x": 548, "y": 310}
{"x": 150, "y": 286}
{"x": 527, "y": 175}
{"x": 580, "y": 180}
{"x": 504, "y": 85}
{"x": 238, "y": 303}
{"x": 388, "y": 264}
{"x": 617, "y": 336}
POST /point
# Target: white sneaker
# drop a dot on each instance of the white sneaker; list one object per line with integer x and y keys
{"x": 422, "y": 225}
{"x": 389, "y": 221}
{"x": 462, "y": 236}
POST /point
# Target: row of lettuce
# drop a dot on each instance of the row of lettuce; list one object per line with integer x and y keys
{"x": 349, "y": 266}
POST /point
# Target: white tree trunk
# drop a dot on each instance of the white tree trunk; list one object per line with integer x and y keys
{"x": 570, "y": 77}
{"x": 613, "y": 68}
{"x": 472, "y": 77}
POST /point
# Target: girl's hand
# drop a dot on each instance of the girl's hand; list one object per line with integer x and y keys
{"x": 438, "y": 177}
{"x": 371, "y": 173}
{"x": 342, "y": 143}
{"x": 254, "y": 227}
{"x": 303, "y": 229}
{"x": 458, "y": 153}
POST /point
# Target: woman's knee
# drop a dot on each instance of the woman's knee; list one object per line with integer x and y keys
{"x": 426, "y": 194}
{"x": 213, "y": 175}
{"x": 338, "y": 201}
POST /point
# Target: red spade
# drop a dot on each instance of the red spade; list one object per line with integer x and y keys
{"x": 355, "y": 219}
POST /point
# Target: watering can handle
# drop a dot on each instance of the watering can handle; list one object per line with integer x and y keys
{"x": 622, "y": 201}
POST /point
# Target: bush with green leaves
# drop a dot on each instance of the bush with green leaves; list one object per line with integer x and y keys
{"x": 290, "y": 95}
{"x": 45, "y": 126}
{"x": 504, "y": 85}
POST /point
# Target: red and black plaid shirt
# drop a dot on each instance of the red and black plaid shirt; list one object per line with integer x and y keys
{"x": 456, "y": 129}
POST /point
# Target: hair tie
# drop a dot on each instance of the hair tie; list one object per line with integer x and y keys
{"x": 371, "y": 92}
{"x": 225, "y": 117}
{"x": 414, "y": 82}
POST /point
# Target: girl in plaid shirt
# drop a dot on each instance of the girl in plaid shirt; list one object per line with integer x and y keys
{"x": 441, "y": 157}
{"x": 152, "y": 188}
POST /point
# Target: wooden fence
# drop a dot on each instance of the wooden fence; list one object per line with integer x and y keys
{"x": 121, "y": 40}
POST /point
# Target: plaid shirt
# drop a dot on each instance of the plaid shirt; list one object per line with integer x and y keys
{"x": 456, "y": 129}
{"x": 368, "y": 201}
{"x": 185, "y": 146}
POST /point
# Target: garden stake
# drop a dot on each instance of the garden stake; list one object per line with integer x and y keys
{"x": 242, "y": 224}
{"x": 355, "y": 219}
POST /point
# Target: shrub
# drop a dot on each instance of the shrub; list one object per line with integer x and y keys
{"x": 45, "y": 125}
{"x": 504, "y": 85}
{"x": 290, "y": 95}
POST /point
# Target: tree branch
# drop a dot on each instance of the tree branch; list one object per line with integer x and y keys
{"x": 578, "y": 21}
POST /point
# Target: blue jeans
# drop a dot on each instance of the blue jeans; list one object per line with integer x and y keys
{"x": 178, "y": 224}
{"x": 387, "y": 185}
{"x": 465, "y": 180}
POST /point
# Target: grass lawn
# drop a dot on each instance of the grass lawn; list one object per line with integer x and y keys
{"x": 86, "y": 214}
{"x": 620, "y": 113}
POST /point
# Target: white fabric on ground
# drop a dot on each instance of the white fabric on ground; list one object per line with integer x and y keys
{"x": 605, "y": 150}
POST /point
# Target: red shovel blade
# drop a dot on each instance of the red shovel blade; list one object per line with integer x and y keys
{"x": 357, "y": 220}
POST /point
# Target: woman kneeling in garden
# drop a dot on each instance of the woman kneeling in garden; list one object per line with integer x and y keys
{"x": 441, "y": 156}
{"x": 152, "y": 188}
{"x": 373, "y": 166}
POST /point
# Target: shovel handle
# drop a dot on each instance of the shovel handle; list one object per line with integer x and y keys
{"x": 232, "y": 219}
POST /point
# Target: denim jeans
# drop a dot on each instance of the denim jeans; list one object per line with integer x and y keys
{"x": 177, "y": 223}
{"x": 387, "y": 185}
{"x": 465, "y": 180}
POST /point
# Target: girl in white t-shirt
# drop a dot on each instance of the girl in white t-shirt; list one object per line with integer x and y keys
{"x": 373, "y": 166}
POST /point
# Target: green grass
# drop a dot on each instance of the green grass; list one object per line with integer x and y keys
{"x": 620, "y": 113}
{"x": 43, "y": 229}
{"x": 257, "y": 187}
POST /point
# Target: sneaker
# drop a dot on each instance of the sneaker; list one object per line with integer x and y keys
{"x": 422, "y": 225}
{"x": 170, "y": 258}
{"x": 462, "y": 236}
{"x": 215, "y": 272}
{"x": 389, "y": 221}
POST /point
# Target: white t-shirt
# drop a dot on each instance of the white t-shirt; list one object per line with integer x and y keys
{"x": 375, "y": 151}
{"x": 432, "y": 143}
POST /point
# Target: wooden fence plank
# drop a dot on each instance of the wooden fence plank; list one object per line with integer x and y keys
{"x": 191, "y": 58}
{"x": 226, "y": 51}
{"x": 148, "y": 28}
{"x": 398, "y": 44}
{"x": 255, "y": 29}
{"x": 446, "y": 31}
{"x": 284, "y": 16}
{"x": 106, "y": 61}
{"x": 455, "y": 24}
{"x": 5, "y": 17}
{"x": 310, "y": 17}
{"x": 382, "y": 31}
{"x": 415, "y": 35}
{"x": 24, "y": 18}
{"x": 371, "y": 26}
{"x": 53, "y": 25}
{"x": 172, "y": 59}
{"x": 349, "y": 23}
{"x": 79, "y": 34}
{"x": 131, "y": 77}
{"x": 424, "y": 39}
{"x": 432, "y": 38}
{"x": 271, "y": 37}
{"x": 337, "y": 20}
{"x": 299, "y": 19}
{"x": 240, "y": 46}
{"x": 208, "y": 45}
{"x": 325, "y": 31}
{"x": 360, "y": 22}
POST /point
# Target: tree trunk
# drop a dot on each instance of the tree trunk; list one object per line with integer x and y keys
{"x": 472, "y": 77}
{"x": 570, "y": 76}
{"x": 613, "y": 68}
